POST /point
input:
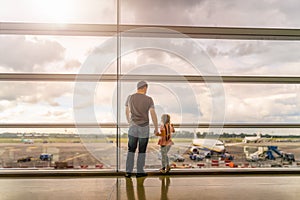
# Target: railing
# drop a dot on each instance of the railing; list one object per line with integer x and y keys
{"x": 125, "y": 125}
{"x": 111, "y": 29}
{"x": 161, "y": 78}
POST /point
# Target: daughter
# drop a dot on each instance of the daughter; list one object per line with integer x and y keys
{"x": 165, "y": 141}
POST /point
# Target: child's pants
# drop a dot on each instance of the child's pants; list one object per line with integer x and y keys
{"x": 164, "y": 155}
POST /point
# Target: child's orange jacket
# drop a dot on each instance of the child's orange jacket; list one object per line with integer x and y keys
{"x": 165, "y": 134}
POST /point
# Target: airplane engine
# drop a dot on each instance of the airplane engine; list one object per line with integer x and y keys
{"x": 194, "y": 150}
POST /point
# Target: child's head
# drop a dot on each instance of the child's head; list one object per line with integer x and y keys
{"x": 165, "y": 118}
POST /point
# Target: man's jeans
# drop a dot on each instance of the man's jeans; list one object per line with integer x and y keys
{"x": 137, "y": 136}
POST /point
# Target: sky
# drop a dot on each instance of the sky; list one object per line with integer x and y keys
{"x": 40, "y": 102}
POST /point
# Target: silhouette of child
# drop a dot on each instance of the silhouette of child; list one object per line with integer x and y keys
{"x": 165, "y": 141}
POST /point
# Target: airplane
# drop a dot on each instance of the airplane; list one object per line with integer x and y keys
{"x": 206, "y": 144}
{"x": 201, "y": 148}
{"x": 254, "y": 139}
{"x": 27, "y": 141}
{"x": 205, "y": 148}
{"x": 214, "y": 145}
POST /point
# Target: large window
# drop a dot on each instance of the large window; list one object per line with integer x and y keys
{"x": 229, "y": 80}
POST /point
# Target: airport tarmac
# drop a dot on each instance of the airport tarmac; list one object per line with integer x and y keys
{"x": 275, "y": 187}
{"x": 92, "y": 154}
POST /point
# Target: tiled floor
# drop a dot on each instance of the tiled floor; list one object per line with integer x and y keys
{"x": 270, "y": 187}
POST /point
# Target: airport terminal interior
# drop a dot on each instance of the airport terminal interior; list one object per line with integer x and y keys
{"x": 227, "y": 74}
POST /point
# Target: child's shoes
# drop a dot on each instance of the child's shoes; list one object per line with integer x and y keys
{"x": 168, "y": 168}
{"x": 162, "y": 170}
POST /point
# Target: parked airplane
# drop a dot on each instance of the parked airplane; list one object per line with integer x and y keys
{"x": 208, "y": 144}
{"x": 254, "y": 139}
{"x": 206, "y": 148}
{"x": 27, "y": 141}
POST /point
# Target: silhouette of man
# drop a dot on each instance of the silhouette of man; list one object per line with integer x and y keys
{"x": 138, "y": 106}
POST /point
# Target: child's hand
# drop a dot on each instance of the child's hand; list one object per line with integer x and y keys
{"x": 157, "y": 133}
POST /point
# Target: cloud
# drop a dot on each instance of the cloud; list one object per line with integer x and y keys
{"x": 157, "y": 12}
{"x": 5, "y": 104}
{"x": 34, "y": 93}
{"x": 259, "y": 13}
{"x": 56, "y": 114}
{"x": 71, "y": 64}
{"x": 244, "y": 57}
{"x": 21, "y": 54}
{"x": 262, "y": 103}
{"x": 28, "y": 102}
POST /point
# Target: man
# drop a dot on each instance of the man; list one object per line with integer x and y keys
{"x": 138, "y": 106}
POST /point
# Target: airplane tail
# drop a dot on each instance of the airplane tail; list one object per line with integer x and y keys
{"x": 258, "y": 135}
{"x": 195, "y": 134}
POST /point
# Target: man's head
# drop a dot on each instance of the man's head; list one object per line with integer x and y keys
{"x": 142, "y": 87}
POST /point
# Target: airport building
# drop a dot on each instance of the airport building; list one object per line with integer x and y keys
{"x": 227, "y": 74}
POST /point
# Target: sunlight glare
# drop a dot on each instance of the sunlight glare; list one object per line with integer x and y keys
{"x": 58, "y": 11}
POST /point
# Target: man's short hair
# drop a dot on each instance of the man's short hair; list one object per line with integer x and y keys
{"x": 142, "y": 84}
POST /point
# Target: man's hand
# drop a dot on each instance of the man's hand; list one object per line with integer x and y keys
{"x": 154, "y": 119}
{"x": 155, "y": 130}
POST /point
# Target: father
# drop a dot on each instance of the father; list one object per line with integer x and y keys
{"x": 138, "y": 106}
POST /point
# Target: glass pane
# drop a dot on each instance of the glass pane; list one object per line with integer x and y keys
{"x": 213, "y": 13}
{"x": 58, "y": 11}
{"x": 206, "y": 57}
{"x": 55, "y": 102}
{"x": 57, "y": 148}
{"x": 65, "y": 148}
{"x": 35, "y": 102}
{"x": 253, "y": 57}
{"x": 47, "y": 54}
{"x": 195, "y": 148}
{"x": 198, "y": 102}
{"x": 262, "y": 103}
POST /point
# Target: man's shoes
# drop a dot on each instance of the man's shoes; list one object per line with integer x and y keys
{"x": 128, "y": 175}
{"x": 138, "y": 175}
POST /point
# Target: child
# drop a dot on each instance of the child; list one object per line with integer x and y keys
{"x": 165, "y": 141}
